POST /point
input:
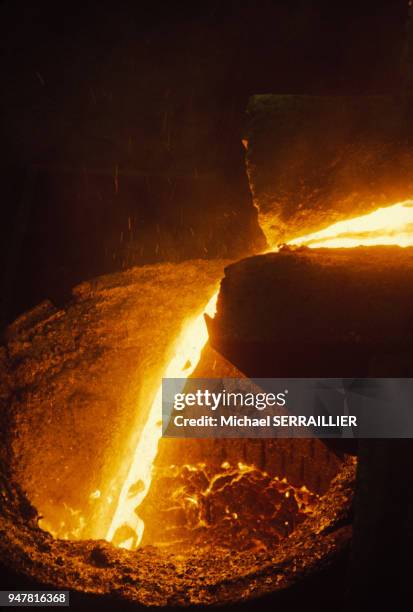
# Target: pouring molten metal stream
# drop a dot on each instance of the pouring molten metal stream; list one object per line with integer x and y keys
{"x": 391, "y": 225}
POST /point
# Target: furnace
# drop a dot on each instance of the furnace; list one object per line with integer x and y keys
{"x": 106, "y": 505}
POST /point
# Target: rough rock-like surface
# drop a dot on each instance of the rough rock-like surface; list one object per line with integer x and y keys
{"x": 315, "y": 312}
{"x": 76, "y": 384}
{"x": 315, "y": 160}
{"x": 73, "y": 383}
{"x": 152, "y": 577}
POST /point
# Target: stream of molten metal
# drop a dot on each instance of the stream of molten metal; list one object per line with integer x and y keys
{"x": 385, "y": 226}
{"x": 187, "y": 353}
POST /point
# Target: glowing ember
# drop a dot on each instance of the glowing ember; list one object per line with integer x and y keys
{"x": 384, "y": 226}
{"x": 126, "y": 528}
{"x": 228, "y": 506}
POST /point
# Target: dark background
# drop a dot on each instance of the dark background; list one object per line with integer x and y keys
{"x": 121, "y": 123}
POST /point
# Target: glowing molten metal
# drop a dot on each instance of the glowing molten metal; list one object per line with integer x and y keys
{"x": 385, "y": 226}
{"x": 187, "y": 354}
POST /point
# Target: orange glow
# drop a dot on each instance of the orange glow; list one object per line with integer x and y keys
{"x": 187, "y": 354}
{"x": 203, "y": 505}
{"x": 384, "y": 226}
